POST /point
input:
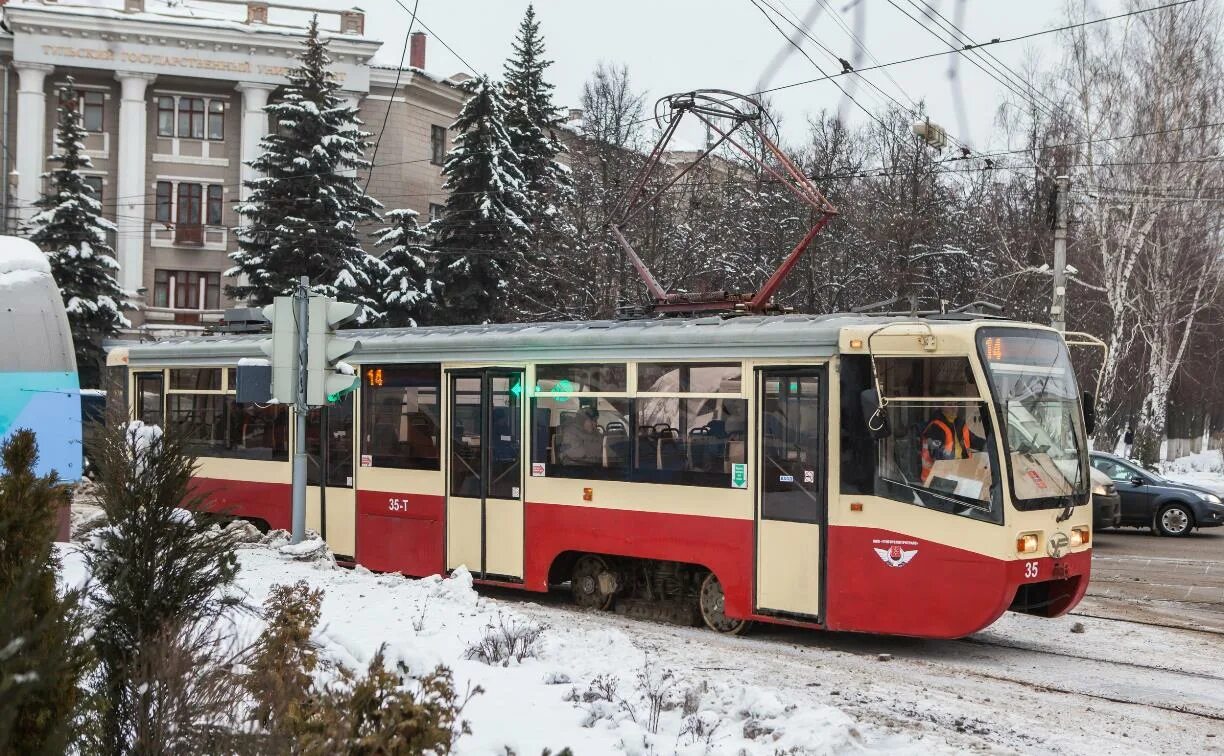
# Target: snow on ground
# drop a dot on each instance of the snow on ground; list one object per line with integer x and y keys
{"x": 1204, "y": 469}
{"x": 589, "y": 687}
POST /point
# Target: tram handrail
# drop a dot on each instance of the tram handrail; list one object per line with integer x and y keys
{"x": 1083, "y": 338}
{"x": 875, "y": 374}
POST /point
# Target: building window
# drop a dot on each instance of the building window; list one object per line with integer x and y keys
{"x": 437, "y": 144}
{"x": 191, "y": 118}
{"x": 95, "y": 183}
{"x": 165, "y": 116}
{"x": 216, "y": 119}
{"x": 401, "y": 416}
{"x": 189, "y": 228}
{"x": 187, "y": 290}
{"x": 435, "y": 211}
{"x": 93, "y": 106}
{"x": 214, "y": 205}
{"x": 165, "y": 201}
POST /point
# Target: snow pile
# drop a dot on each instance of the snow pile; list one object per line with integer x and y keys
{"x": 21, "y": 263}
{"x": 1210, "y": 461}
{"x": 21, "y": 255}
{"x": 1205, "y": 469}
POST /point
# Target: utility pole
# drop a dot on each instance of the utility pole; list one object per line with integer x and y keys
{"x": 302, "y": 306}
{"x": 1058, "y": 309}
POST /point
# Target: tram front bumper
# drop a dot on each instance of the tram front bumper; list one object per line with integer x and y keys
{"x": 1050, "y": 586}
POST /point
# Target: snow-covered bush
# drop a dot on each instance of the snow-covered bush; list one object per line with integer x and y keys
{"x": 284, "y": 659}
{"x": 162, "y": 639}
{"x": 507, "y": 640}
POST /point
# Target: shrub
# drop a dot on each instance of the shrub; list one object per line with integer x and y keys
{"x": 41, "y": 661}
{"x": 384, "y": 712}
{"x": 161, "y": 681}
{"x": 284, "y": 659}
{"x": 507, "y": 640}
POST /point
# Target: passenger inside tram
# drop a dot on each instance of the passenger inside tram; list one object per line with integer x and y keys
{"x": 579, "y": 441}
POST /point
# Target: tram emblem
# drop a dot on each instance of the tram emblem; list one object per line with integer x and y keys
{"x": 895, "y": 556}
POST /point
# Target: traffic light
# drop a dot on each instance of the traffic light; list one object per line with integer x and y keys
{"x": 326, "y": 378}
{"x": 282, "y": 349}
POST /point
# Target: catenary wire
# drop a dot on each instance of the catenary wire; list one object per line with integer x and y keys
{"x": 390, "y": 103}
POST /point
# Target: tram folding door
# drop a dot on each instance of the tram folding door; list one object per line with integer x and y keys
{"x": 792, "y": 497}
{"x": 484, "y": 501}
{"x": 330, "y": 500}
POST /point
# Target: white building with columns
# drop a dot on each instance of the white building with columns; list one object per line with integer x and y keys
{"x": 172, "y": 99}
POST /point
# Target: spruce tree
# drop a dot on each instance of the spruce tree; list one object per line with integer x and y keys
{"x": 532, "y": 120}
{"x": 70, "y": 229}
{"x": 478, "y": 241}
{"x": 41, "y": 660}
{"x": 304, "y": 209}
{"x": 406, "y": 290}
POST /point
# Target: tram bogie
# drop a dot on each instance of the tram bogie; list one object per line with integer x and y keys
{"x": 855, "y": 473}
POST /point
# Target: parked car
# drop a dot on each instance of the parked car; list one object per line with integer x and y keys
{"x": 1166, "y": 506}
{"x": 1106, "y": 504}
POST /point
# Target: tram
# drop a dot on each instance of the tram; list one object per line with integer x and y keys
{"x": 716, "y": 470}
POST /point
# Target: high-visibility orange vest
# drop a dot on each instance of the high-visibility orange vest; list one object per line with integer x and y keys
{"x": 949, "y": 439}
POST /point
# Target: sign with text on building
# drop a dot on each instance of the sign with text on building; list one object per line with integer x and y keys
{"x": 229, "y": 65}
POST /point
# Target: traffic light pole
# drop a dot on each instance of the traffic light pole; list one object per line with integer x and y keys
{"x": 302, "y": 304}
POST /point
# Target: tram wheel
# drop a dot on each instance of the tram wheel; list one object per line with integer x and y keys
{"x": 584, "y": 583}
{"x": 712, "y": 602}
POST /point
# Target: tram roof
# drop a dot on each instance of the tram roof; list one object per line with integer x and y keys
{"x": 711, "y": 337}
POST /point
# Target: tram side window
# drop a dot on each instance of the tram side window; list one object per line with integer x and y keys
{"x": 150, "y": 398}
{"x": 939, "y": 452}
{"x": 257, "y": 432}
{"x": 195, "y": 379}
{"x": 401, "y": 416}
{"x": 213, "y": 424}
{"x": 198, "y": 420}
{"x": 689, "y": 441}
{"x": 857, "y": 448}
{"x": 582, "y": 437}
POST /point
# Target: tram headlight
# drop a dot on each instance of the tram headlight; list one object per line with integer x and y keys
{"x": 1081, "y": 536}
{"x": 1027, "y": 543}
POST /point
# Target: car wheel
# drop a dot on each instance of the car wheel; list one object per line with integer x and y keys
{"x": 1174, "y": 520}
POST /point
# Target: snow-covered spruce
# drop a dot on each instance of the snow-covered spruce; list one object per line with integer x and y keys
{"x": 304, "y": 210}
{"x": 532, "y": 122}
{"x": 407, "y": 292}
{"x": 479, "y": 240}
{"x": 70, "y": 229}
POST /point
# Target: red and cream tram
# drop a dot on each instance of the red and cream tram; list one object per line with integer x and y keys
{"x": 725, "y": 470}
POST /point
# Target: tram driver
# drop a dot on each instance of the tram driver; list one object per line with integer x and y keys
{"x": 947, "y": 437}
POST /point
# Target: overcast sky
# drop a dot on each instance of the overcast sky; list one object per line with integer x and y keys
{"x": 676, "y": 45}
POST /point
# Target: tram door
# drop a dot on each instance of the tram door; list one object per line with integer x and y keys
{"x": 330, "y": 500}
{"x": 791, "y": 505}
{"x": 484, "y": 504}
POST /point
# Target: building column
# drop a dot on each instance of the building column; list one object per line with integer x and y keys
{"x": 254, "y": 129}
{"x": 132, "y": 195}
{"x": 31, "y": 160}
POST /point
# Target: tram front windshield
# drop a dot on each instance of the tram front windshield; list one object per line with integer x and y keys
{"x": 1035, "y": 390}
